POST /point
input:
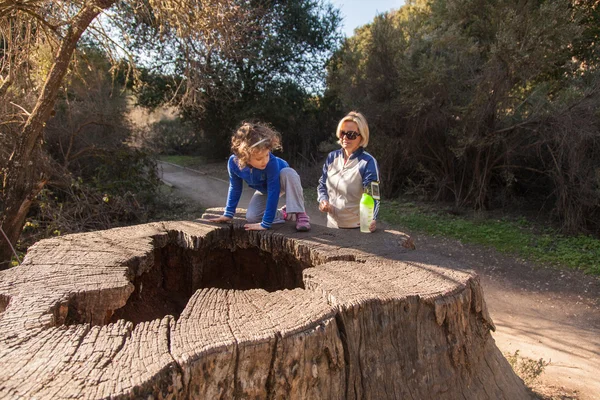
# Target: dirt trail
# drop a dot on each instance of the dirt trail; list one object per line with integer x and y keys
{"x": 541, "y": 312}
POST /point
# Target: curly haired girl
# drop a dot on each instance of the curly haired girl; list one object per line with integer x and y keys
{"x": 253, "y": 162}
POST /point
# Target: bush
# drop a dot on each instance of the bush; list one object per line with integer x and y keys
{"x": 529, "y": 370}
{"x": 122, "y": 192}
{"x": 173, "y": 137}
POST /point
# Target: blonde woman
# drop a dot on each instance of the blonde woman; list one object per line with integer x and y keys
{"x": 346, "y": 173}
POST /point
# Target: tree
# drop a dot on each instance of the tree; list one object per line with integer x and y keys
{"x": 27, "y": 27}
{"x": 276, "y": 75}
{"x": 21, "y": 182}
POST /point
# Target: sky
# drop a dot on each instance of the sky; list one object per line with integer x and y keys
{"x": 356, "y": 13}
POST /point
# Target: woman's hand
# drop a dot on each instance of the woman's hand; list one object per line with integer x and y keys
{"x": 325, "y": 206}
{"x": 222, "y": 219}
{"x": 254, "y": 227}
{"x": 373, "y": 226}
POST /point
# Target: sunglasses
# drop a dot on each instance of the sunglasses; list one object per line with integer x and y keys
{"x": 350, "y": 135}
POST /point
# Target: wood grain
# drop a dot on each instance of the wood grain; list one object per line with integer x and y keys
{"x": 177, "y": 310}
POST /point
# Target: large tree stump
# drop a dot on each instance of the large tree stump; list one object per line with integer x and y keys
{"x": 199, "y": 310}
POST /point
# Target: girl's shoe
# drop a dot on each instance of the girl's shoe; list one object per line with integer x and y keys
{"x": 302, "y": 222}
{"x": 286, "y": 216}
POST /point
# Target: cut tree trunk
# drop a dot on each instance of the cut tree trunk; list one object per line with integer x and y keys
{"x": 200, "y": 310}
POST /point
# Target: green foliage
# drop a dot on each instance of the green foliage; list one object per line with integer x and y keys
{"x": 513, "y": 237}
{"x": 90, "y": 117}
{"x": 304, "y": 120}
{"x": 169, "y": 206}
{"x": 173, "y": 137}
{"x": 80, "y": 208}
{"x": 586, "y": 45}
{"x": 529, "y": 370}
{"x": 481, "y": 103}
{"x": 122, "y": 191}
{"x": 274, "y": 75}
{"x": 14, "y": 262}
{"x": 126, "y": 170}
{"x": 155, "y": 89}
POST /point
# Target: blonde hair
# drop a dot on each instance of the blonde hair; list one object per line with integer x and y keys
{"x": 363, "y": 127}
{"x": 251, "y": 137}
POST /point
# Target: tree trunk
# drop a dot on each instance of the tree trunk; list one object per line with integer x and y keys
{"x": 199, "y": 310}
{"x": 21, "y": 183}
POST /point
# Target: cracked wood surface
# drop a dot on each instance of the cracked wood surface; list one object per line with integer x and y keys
{"x": 349, "y": 316}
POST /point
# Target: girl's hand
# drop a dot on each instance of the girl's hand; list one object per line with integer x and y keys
{"x": 254, "y": 227}
{"x": 325, "y": 206}
{"x": 373, "y": 226}
{"x": 222, "y": 219}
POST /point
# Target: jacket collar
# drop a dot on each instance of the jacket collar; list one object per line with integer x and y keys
{"x": 356, "y": 153}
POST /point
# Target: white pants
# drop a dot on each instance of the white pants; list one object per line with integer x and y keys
{"x": 294, "y": 198}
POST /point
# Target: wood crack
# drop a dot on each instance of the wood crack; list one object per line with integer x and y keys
{"x": 402, "y": 328}
{"x": 341, "y": 327}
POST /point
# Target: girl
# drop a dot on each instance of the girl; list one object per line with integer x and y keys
{"x": 253, "y": 162}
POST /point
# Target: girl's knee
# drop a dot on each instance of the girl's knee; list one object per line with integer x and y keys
{"x": 253, "y": 217}
{"x": 289, "y": 174}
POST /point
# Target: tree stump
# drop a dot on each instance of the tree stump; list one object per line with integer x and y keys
{"x": 201, "y": 310}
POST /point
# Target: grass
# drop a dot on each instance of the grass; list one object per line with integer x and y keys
{"x": 519, "y": 237}
{"x": 217, "y": 169}
{"x": 184, "y": 161}
{"x": 172, "y": 207}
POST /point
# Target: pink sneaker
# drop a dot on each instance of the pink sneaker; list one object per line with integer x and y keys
{"x": 302, "y": 222}
{"x": 286, "y": 216}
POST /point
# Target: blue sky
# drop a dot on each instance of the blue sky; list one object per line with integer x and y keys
{"x": 356, "y": 13}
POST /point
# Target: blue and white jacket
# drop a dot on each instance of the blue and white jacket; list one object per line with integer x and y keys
{"x": 343, "y": 183}
{"x": 265, "y": 181}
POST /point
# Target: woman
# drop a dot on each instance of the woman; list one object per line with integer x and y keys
{"x": 347, "y": 172}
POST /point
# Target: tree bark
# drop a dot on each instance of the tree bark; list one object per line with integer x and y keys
{"x": 199, "y": 310}
{"x": 21, "y": 182}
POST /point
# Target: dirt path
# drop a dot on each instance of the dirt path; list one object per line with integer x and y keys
{"x": 541, "y": 312}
